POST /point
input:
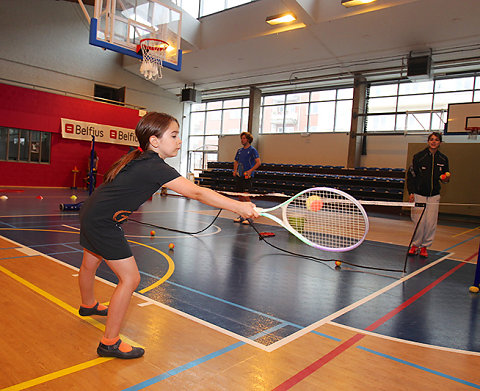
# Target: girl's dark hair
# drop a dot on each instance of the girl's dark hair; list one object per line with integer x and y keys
{"x": 248, "y": 136}
{"x": 151, "y": 124}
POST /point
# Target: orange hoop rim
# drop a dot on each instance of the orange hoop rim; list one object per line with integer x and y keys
{"x": 164, "y": 45}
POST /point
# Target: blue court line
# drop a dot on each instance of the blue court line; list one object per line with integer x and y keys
{"x": 183, "y": 368}
{"x": 227, "y": 302}
{"x": 20, "y": 256}
{"x": 267, "y": 331}
{"x": 218, "y": 299}
{"x": 399, "y": 360}
{"x": 326, "y": 336}
{"x": 464, "y": 241}
{"x": 282, "y": 323}
{"x": 194, "y": 363}
{"x": 63, "y": 252}
{"x": 73, "y": 248}
{"x": 53, "y": 244}
{"x": 8, "y": 225}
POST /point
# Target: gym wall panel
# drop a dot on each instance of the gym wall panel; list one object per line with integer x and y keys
{"x": 25, "y": 108}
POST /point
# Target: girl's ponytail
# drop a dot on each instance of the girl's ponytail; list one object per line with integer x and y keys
{"x": 151, "y": 124}
{"x": 119, "y": 164}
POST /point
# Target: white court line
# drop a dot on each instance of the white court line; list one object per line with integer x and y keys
{"x": 282, "y": 342}
{"x": 69, "y": 226}
{"x": 149, "y": 301}
{"x": 352, "y": 306}
{"x": 423, "y": 345}
{"x": 204, "y": 323}
{"x": 28, "y": 251}
{"x": 218, "y": 230}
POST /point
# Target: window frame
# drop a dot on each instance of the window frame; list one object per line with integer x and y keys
{"x": 286, "y": 103}
{"x": 24, "y": 154}
{"x": 438, "y": 112}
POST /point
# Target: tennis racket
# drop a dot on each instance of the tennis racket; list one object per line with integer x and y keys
{"x": 324, "y": 218}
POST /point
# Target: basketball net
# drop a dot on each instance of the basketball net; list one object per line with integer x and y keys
{"x": 154, "y": 52}
{"x": 472, "y": 133}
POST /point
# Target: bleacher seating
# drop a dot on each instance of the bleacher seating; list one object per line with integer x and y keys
{"x": 364, "y": 183}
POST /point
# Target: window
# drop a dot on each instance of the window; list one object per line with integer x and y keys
{"x": 417, "y": 106}
{"x": 209, "y": 121}
{"x": 109, "y": 94}
{"x": 315, "y": 111}
{"x": 199, "y": 8}
{"x": 23, "y": 145}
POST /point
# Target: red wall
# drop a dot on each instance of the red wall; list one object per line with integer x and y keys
{"x": 24, "y": 108}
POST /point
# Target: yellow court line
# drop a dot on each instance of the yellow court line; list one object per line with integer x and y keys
{"x": 171, "y": 265}
{"x": 74, "y": 311}
{"x": 465, "y": 232}
{"x": 52, "y": 298}
{"x": 171, "y": 268}
{"x": 57, "y": 374}
{"x": 39, "y": 230}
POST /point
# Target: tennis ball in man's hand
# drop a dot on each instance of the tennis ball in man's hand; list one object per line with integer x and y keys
{"x": 443, "y": 177}
{"x": 447, "y": 174}
{"x": 314, "y": 203}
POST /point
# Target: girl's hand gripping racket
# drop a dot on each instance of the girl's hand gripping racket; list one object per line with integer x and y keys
{"x": 324, "y": 218}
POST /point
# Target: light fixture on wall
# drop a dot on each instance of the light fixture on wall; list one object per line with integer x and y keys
{"x": 281, "y": 18}
{"x": 353, "y": 3}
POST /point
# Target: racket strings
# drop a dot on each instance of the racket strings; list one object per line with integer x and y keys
{"x": 327, "y": 219}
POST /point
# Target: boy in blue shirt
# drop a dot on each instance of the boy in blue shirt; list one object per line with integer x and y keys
{"x": 246, "y": 162}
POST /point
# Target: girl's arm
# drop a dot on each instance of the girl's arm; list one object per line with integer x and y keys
{"x": 212, "y": 198}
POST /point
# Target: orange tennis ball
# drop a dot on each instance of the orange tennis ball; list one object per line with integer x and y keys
{"x": 338, "y": 263}
{"x": 152, "y": 233}
{"x": 171, "y": 246}
{"x": 314, "y": 203}
{"x": 443, "y": 177}
{"x": 474, "y": 289}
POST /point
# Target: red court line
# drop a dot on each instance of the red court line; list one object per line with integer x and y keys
{"x": 289, "y": 383}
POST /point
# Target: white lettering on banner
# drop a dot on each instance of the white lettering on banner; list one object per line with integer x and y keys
{"x": 80, "y": 130}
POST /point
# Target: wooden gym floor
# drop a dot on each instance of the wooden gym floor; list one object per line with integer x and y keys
{"x": 226, "y": 311}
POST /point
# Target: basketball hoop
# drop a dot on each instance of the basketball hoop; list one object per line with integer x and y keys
{"x": 472, "y": 132}
{"x": 154, "y": 52}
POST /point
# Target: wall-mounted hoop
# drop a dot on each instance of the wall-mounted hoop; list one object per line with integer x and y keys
{"x": 154, "y": 52}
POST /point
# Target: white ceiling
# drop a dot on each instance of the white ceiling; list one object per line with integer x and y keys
{"x": 237, "y": 48}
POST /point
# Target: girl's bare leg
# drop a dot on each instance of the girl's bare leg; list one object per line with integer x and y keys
{"x": 128, "y": 279}
{"x": 86, "y": 276}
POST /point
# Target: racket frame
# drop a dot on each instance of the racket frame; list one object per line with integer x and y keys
{"x": 284, "y": 221}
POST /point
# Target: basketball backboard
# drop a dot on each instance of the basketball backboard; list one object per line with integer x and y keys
{"x": 461, "y": 116}
{"x": 120, "y": 25}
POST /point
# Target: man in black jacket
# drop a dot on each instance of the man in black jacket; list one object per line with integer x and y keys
{"x": 429, "y": 167}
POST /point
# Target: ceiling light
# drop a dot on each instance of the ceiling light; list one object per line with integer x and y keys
{"x": 281, "y": 18}
{"x": 353, "y": 3}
